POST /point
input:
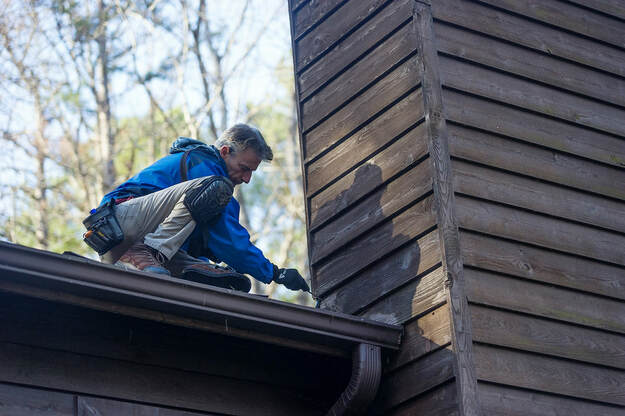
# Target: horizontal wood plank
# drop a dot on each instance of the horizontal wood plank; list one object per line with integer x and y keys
{"x": 374, "y": 209}
{"x": 422, "y": 336}
{"x": 531, "y": 64}
{"x": 549, "y": 374}
{"x": 295, "y": 4}
{"x": 440, "y": 401}
{"x": 531, "y": 34}
{"x": 526, "y": 227}
{"x": 545, "y": 266}
{"x": 365, "y": 107}
{"x": 538, "y": 196}
{"x": 24, "y": 401}
{"x": 148, "y": 384}
{"x": 357, "y": 77}
{"x": 614, "y": 8}
{"x": 369, "y": 140}
{"x": 351, "y": 48}
{"x": 414, "y": 379}
{"x": 332, "y": 29}
{"x": 378, "y": 243}
{"x": 311, "y": 13}
{"x": 503, "y": 401}
{"x": 95, "y": 406}
{"x": 499, "y": 291}
{"x": 569, "y": 17}
{"x": 531, "y": 96}
{"x": 521, "y": 332}
{"x": 414, "y": 299}
{"x": 532, "y": 161}
{"x": 534, "y": 128}
{"x": 389, "y": 162}
{"x": 391, "y": 272}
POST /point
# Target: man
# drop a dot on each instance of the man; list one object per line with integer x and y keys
{"x": 182, "y": 204}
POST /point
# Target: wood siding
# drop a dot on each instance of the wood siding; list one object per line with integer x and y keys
{"x": 374, "y": 243}
{"x": 534, "y": 100}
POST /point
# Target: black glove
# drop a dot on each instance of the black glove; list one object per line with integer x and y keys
{"x": 290, "y": 278}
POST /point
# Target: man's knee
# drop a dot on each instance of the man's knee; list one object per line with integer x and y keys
{"x": 208, "y": 200}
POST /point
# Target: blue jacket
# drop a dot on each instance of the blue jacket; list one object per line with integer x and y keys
{"x": 225, "y": 240}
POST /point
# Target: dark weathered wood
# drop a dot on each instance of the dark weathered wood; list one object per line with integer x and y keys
{"x": 438, "y": 146}
{"x": 311, "y": 13}
{"x": 540, "y": 300}
{"x": 351, "y": 48}
{"x": 23, "y": 401}
{"x": 531, "y": 64}
{"x": 536, "y": 229}
{"x": 414, "y": 299}
{"x": 381, "y": 204}
{"x": 364, "y": 107}
{"x": 378, "y": 243}
{"x": 538, "y": 196}
{"x": 533, "y": 128}
{"x": 549, "y": 374}
{"x": 94, "y": 406}
{"x": 522, "y": 332}
{"x": 414, "y": 379}
{"x": 422, "y": 336}
{"x": 368, "y": 140}
{"x": 294, "y": 4}
{"x": 615, "y": 8}
{"x": 569, "y": 17}
{"x": 531, "y": 96}
{"x": 502, "y": 401}
{"x": 441, "y": 401}
{"x": 357, "y": 77}
{"x": 332, "y": 29}
{"x": 383, "y": 166}
{"x": 534, "y": 35}
{"x": 539, "y": 163}
{"x": 147, "y": 384}
{"x": 392, "y": 271}
{"x": 542, "y": 265}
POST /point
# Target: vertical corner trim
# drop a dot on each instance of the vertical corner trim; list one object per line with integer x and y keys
{"x": 364, "y": 383}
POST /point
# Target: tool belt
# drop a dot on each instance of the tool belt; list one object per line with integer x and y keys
{"x": 103, "y": 230}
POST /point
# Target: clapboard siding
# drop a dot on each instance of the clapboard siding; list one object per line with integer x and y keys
{"x": 614, "y": 8}
{"x": 439, "y": 401}
{"x": 23, "y": 401}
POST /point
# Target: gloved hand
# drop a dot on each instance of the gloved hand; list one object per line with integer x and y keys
{"x": 290, "y": 278}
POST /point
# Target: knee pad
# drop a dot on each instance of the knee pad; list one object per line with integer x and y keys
{"x": 207, "y": 201}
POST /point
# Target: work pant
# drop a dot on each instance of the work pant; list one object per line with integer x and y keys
{"x": 161, "y": 219}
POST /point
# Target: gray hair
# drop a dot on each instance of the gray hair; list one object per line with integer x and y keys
{"x": 242, "y": 136}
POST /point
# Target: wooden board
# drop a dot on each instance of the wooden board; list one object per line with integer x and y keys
{"x": 94, "y": 406}
{"x": 422, "y": 336}
{"x": 358, "y": 77}
{"x": 375, "y": 208}
{"x": 513, "y": 294}
{"x": 354, "y": 47}
{"x": 534, "y": 35}
{"x": 414, "y": 299}
{"x": 551, "y": 375}
{"x": 614, "y": 8}
{"x": 503, "y": 401}
{"x": 548, "y": 165}
{"x": 545, "y": 100}
{"x": 332, "y": 29}
{"x": 440, "y": 401}
{"x": 366, "y": 142}
{"x": 365, "y": 109}
{"x": 542, "y": 265}
{"x": 531, "y": 64}
{"x": 24, "y": 401}
{"x": 494, "y": 185}
{"x": 568, "y": 17}
{"x": 527, "y": 227}
{"x": 413, "y": 261}
{"x": 521, "y": 332}
{"x": 312, "y": 13}
{"x": 377, "y": 244}
{"x": 414, "y": 379}
{"x": 393, "y": 159}
{"x": 534, "y": 128}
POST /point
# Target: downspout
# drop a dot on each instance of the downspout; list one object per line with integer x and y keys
{"x": 364, "y": 383}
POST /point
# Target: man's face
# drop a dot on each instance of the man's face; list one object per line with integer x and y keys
{"x": 240, "y": 165}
